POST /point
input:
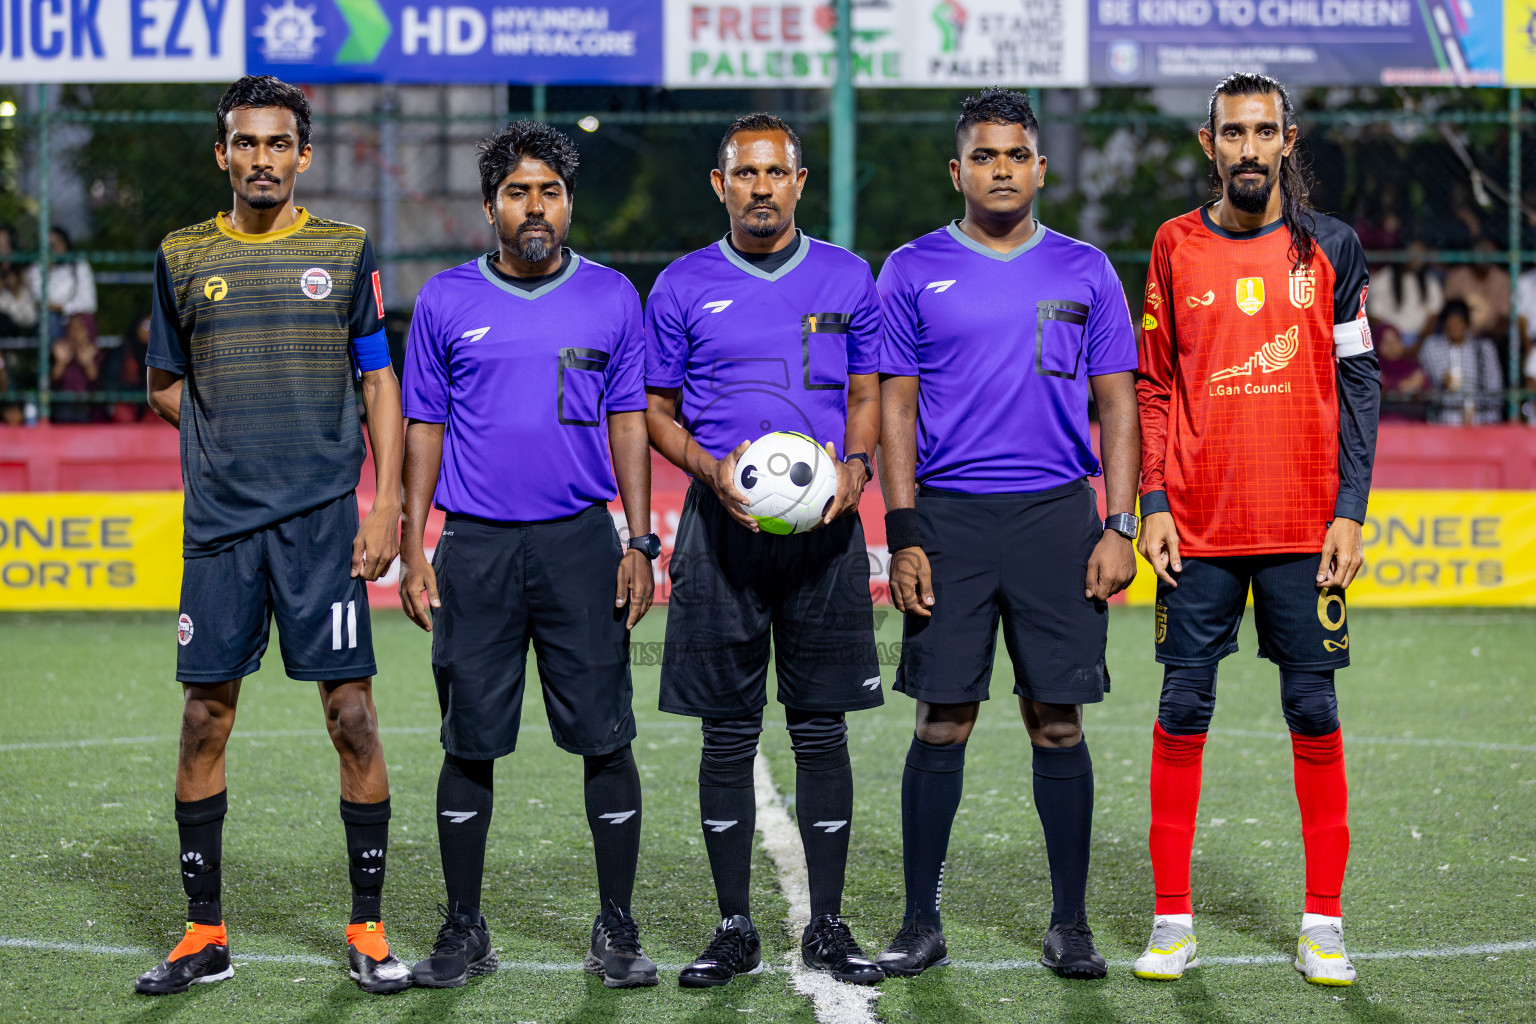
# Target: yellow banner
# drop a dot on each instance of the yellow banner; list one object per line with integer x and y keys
{"x": 123, "y": 550}
{"x": 101, "y": 550}
{"x": 1434, "y": 548}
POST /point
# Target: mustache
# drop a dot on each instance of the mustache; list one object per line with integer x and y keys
{"x": 763, "y": 204}
{"x": 1247, "y": 167}
{"x": 262, "y": 176}
{"x": 535, "y": 222}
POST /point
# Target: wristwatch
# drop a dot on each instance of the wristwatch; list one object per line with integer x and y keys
{"x": 648, "y": 545}
{"x": 1123, "y": 523}
{"x": 869, "y": 471}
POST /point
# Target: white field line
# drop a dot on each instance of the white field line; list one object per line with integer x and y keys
{"x": 660, "y": 724}
{"x": 1265, "y": 959}
{"x": 833, "y": 1001}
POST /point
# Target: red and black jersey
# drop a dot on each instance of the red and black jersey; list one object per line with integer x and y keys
{"x": 1257, "y": 386}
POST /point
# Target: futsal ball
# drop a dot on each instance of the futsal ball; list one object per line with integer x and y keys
{"x": 789, "y": 480}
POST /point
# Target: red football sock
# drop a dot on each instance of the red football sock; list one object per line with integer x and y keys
{"x": 1323, "y": 795}
{"x": 1175, "y": 801}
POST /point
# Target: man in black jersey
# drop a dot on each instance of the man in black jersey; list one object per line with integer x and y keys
{"x": 262, "y": 317}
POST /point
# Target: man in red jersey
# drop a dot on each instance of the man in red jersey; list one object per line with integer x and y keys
{"x": 1259, "y": 398}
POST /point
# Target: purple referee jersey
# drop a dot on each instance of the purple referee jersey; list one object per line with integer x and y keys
{"x": 1003, "y": 344}
{"x": 524, "y": 381}
{"x": 755, "y": 352}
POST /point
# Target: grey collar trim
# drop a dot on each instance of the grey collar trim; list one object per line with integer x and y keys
{"x": 741, "y": 264}
{"x": 544, "y": 289}
{"x": 953, "y": 227}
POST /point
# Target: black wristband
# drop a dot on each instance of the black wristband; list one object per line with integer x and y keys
{"x": 903, "y": 529}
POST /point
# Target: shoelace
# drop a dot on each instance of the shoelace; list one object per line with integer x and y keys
{"x": 909, "y": 939}
{"x": 1166, "y": 936}
{"x": 623, "y": 931}
{"x": 453, "y": 936}
{"x": 1329, "y": 941}
{"x": 834, "y": 937}
{"x": 1077, "y": 937}
{"x": 726, "y": 947}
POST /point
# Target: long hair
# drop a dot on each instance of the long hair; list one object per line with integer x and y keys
{"x": 1295, "y": 176}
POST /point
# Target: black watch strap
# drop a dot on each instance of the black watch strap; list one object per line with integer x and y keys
{"x": 1123, "y": 523}
{"x": 648, "y": 545}
{"x": 869, "y": 470}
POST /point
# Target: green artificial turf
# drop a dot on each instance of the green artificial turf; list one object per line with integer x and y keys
{"x": 1439, "y": 713}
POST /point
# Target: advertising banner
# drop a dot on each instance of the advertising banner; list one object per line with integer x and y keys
{"x": 972, "y": 43}
{"x": 490, "y": 41}
{"x": 122, "y": 40}
{"x": 1301, "y": 42}
{"x": 122, "y": 550}
{"x": 1432, "y": 548}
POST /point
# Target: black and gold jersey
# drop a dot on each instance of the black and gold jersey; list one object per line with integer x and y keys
{"x": 261, "y": 328}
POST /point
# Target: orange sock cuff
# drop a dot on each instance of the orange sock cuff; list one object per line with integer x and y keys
{"x": 199, "y": 935}
{"x": 368, "y": 938}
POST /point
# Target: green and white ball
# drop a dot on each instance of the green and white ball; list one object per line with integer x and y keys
{"x": 789, "y": 481}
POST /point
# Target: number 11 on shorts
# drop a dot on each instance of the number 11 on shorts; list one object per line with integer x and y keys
{"x": 336, "y": 625}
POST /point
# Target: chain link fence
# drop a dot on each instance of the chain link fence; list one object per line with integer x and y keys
{"x": 1429, "y": 178}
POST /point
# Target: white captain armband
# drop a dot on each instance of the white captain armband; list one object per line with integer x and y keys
{"x": 372, "y": 352}
{"x": 1352, "y": 338}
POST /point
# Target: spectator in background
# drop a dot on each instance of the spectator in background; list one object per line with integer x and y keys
{"x": 18, "y": 310}
{"x": 127, "y": 373}
{"x": 1401, "y": 376}
{"x": 71, "y": 287}
{"x": 1406, "y": 295}
{"x": 76, "y": 370}
{"x": 1464, "y": 369}
{"x": 1484, "y": 287}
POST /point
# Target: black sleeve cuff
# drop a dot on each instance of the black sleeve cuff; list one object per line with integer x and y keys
{"x": 1154, "y": 501}
{"x": 1349, "y": 506}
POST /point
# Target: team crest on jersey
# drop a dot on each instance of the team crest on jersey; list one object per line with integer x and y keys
{"x": 315, "y": 283}
{"x": 1303, "y": 288}
{"x": 184, "y": 629}
{"x": 216, "y": 288}
{"x": 1250, "y": 294}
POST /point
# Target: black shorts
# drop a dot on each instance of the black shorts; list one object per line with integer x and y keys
{"x": 1021, "y": 558}
{"x": 1300, "y": 625}
{"x": 504, "y": 584}
{"x": 732, "y": 587}
{"x": 300, "y": 570}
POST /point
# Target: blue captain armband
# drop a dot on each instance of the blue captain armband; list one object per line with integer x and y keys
{"x": 370, "y": 353}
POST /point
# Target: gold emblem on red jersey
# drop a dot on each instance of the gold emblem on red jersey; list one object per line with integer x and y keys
{"x": 1303, "y": 288}
{"x": 1271, "y": 356}
{"x": 1148, "y": 322}
{"x": 1250, "y": 294}
{"x": 1200, "y": 300}
{"x": 1154, "y": 300}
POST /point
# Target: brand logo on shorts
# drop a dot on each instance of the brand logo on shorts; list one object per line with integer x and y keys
{"x": 872, "y": 683}
{"x": 1162, "y": 623}
{"x": 184, "y": 629}
{"x": 315, "y": 283}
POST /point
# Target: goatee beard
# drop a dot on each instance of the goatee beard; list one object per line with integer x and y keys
{"x": 531, "y": 250}
{"x": 1254, "y": 199}
{"x": 264, "y": 201}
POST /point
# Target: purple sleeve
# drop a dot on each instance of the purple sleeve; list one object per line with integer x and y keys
{"x": 898, "y": 355}
{"x": 666, "y": 338}
{"x": 425, "y": 389}
{"x": 866, "y": 333}
{"x": 625, "y": 377}
{"x": 1111, "y": 338}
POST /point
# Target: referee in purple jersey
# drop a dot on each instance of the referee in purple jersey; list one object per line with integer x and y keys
{"x": 523, "y": 394}
{"x": 998, "y": 333}
{"x": 768, "y": 329}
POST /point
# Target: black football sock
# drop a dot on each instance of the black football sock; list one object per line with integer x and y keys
{"x": 367, "y": 827}
{"x": 728, "y": 807}
{"x": 930, "y": 798}
{"x": 201, "y": 827}
{"x": 465, "y": 795}
{"x": 612, "y": 787}
{"x": 823, "y": 802}
{"x": 1064, "y": 799}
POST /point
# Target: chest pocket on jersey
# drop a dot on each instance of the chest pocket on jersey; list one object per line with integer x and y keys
{"x": 580, "y": 400}
{"x": 824, "y": 346}
{"x": 1060, "y": 326}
